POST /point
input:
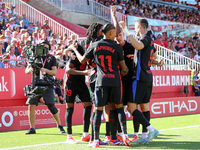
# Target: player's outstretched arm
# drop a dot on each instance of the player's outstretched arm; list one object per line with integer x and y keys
{"x": 113, "y": 14}
{"x": 70, "y": 69}
{"x": 138, "y": 45}
{"x": 81, "y": 58}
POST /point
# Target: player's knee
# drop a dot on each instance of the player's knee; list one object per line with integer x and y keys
{"x": 144, "y": 107}
{"x": 112, "y": 106}
{"x": 107, "y": 109}
{"x": 131, "y": 109}
{"x": 87, "y": 104}
{"x": 52, "y": 108}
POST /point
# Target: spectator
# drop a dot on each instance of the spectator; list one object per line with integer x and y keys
{"x": 38, "y": 35}
{"x": 11, "y": 23}
{"x": 11, "y": 55}
{"x": 8, "y": 37}
{"x": 65, "y": 38}
{"x": 186, "y": 51}
{"x": 177, "y": 46}
{"x": 2, "y": 34}
{"x": 25, "y": 20}
{"x": 22, "y": 26}
{"x": 197, "y": 56}
{"x": 17, "y": 19}
{"x": 196, "y": 84}
{"x": 23, "y": 62}
{"x": 8, "y": 16}
{"x": 3, "y": 16}
{"x": 21, "y": 46}
{"x": 54, "y": 36}
{"x": 1, "y": 2}
{"x": 3, "y": 8}
{"x": 14, "y": 44}
{"x": 73, "y": 37}
{"x": 30, "y": 28}
{"x": 34, "y": 34}
{"x": 1, "y": 64}
{"x": 46, "y": 26}
{"x": 61, "y": 63}
{"x": 16, "y": 28}
{"x": 53, "y": 42}
{"x": 38, "y": 25}
{"x": 12, "y": 11}
{"x": 2, "y": 24}
{"x": 2, "y": 49}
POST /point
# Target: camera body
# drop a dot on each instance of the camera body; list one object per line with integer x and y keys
{"x": 39, "y": 86}
{"x": 35, "y": 54}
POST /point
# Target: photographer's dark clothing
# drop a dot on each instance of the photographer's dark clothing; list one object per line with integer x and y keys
{"x": 48, "y": 97}
{"x": 48, "y": 62}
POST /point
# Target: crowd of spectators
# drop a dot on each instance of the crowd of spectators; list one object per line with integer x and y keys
{"x": 161, "y": 12}
{"x": 17, "y": 33}
{"x": 188, "y": 46}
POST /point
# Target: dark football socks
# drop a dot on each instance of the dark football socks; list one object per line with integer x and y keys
{"x": 97, "y": 123}
{"x": 107, "y": 128}
{"x": 136, "y": 124}
{"x": 86, "y": 118}
{"x": 113, "y": 119}
{"x": 122, "y": 119}
{"x": 147, "y": 116}
{"x": 119, "y": 129}
{"x": 140, "y": 118}
{"x": 92, "y": 126}
{"x": 68, "y": 119}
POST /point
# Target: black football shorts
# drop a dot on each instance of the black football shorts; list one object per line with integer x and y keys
{"x": 141, "y": 91}
{"x": 108, "y": 94}
{"x": 80, "y": 90}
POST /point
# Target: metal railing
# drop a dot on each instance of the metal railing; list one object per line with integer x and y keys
{"x": 89, "y": 7}
{"x": 174, "y": 5}
{"x": 175, "y": 61}
{"x": 33, "y": 15}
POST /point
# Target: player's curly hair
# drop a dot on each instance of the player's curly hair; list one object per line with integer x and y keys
{"x": 92, "y": 30}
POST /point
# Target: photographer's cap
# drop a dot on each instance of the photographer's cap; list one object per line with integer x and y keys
{"x": 46, "y": 42}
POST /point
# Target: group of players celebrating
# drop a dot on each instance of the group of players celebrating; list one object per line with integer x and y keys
{"x": 119, "y": 74}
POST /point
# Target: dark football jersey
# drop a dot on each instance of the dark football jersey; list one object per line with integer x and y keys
{"x": 106, "y": 54}
{"x": 145, "y": 57}
{"x": 78, "y": 66}
{"x": 128, "y": 49}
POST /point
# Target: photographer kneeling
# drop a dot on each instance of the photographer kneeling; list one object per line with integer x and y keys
{"x": 48, "y": 67}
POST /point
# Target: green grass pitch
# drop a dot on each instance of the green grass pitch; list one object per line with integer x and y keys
{"x": 176, "y": 133}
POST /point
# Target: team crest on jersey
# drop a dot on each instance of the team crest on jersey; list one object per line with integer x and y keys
{"x": 73, "y": 57}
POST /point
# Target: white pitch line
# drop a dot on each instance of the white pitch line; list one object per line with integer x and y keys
{"x": 28, "y": 146}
